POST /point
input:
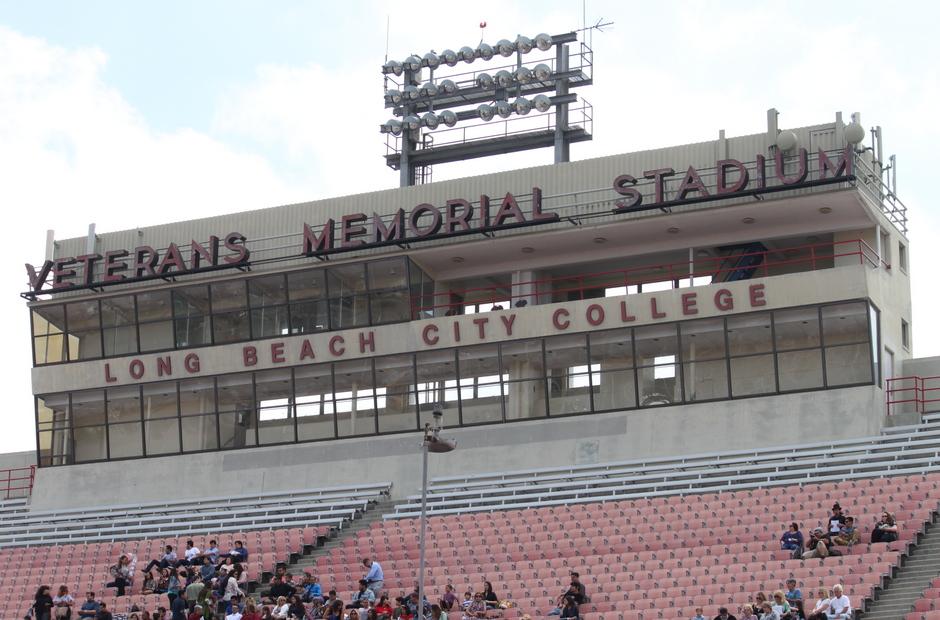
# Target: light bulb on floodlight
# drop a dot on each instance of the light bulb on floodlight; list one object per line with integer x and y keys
{"x": 542, "y": 72}
{"x": 854, "y": 133}
{"x": 543, "y": 41}
{"x": 485, "y": 81}
{"x": 503, "y": 78}
{"x": 542, "y": 103}
{"x": 431, "y": 120}
{"x": 486, "y": 112}
{"x": 524, "y": 44}
{"x": 393, "y": 126}
{"x": 412, "y": 63}
{"x": 486, "y": 51}
{"x": 522, "y": 106}
{"x": 503, "y": 109}
{"x": 786, "y": 140}
{"x": 429, "y": 89}
{"x": 448, "y": 87}
{"x": 411, "y": 92}
{"x": 467, "y": 54}
{"x": 394, "y": 96}
{"x": 449, "y": 57}
{"x": 505, "y": 48}
{"x": 432, "y": 60}
{"x": 448, "y": 118}
{"x": 523, "y": 75}
{"x": 392, "y": 66}
{"x": 411, "y": 122}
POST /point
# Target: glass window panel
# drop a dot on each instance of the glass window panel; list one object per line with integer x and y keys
{"x": 796, "y": 329}
{"x": 116, "y": 311}
{"x": 88, "y": 408}
{"x": 229, "y": 295}
{"x": 845, "y": 323}
{"x": 83, "y": 316}
{"x": 120, "y": 340}
{"x": 53, "y": 411}
{"x": 237, "y": 429}
{"x": 480, "y": 389}
{"x": 236, "y": 392}
{"x": 703, "y": 339}
{"x": 706, "y": 380}
{"x": 267, "y": 291}
{"x": 848, "y": 364}
{"x": 659, "y": 385}
{"x": 197, "y": 396}
{"x": 390, "y": 307}
{"x": 231, "y": 327}
{"x": 387, "y": 273}
{"x": 523, "y": 368}
{"x": 437, "y": 386}
{"x": 154, "y": 306}
{"x": 55, "y": 448}
{"x": 48, "y": 320}
{"x": 125, "y": 440}
{"x": 346, "y": 279}
{"x": 55, "y": 436}
{"x": 84, "y": 345}
{"x": 199, "y": 433}
{"x": 395, "y": 382}
{"x": 309, "y": 317}
{"x": 90, "y": 443}
{"x": 569, "y": 374}
{"x": 750, "y": 333}
{"x": 156, "y": 336}
{"x": 274, "y": 394}
{"x": 124, "y": 404}
{"x": 522, "y": 359}
{"x": 269, "y": 321}
{"x": 163, "y": 436}
{"x": 614, "y": 389}
{"x": 160, "y": 400}
{"x": 654, "y": 342}
{"x": 346, "y": 312}
{"x": 49, "y": 349}
{"x": 191, "y": 301}
{"x": 313, "y": 402}
{"x": 192, "y": 331}
{"x": 753, "y": 375}
{"x": 800, "y": 370}
{"x": 354, "y": 394}
{"x": 875, "y": 343}
{"x": 309, "y": 284}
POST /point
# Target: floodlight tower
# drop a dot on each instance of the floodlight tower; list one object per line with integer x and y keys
{"x": 424, "y": 137}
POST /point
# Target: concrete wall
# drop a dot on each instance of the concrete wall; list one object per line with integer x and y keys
{"x": 687, "y": 429}
{"x": 11, "y": 460}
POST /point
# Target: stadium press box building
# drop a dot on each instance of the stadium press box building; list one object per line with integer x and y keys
{"x": 697, "y": 298}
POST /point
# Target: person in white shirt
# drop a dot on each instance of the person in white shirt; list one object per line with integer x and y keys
{"x": 235, "y": 615}
{"x": 282, "y": 609}
{"x": 822, "y": 606}
{"x": 839, "y": 606}
{"x": 191, "y": 553}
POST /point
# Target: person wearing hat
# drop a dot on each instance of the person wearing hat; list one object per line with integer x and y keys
{"x": 836, "y": 521}
{"x": 816, "y": 546}
{"x": 724, "y": 615}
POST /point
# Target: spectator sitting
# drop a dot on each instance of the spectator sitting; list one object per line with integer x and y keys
{"x": 89, "y": 608}
{"x": 795, "y": 597}
{"x": 759, "y": 599}
{"x": 792, "y": 539}
{"x": 207, "y": 570}
{"x": 383, "y": 608}
{"x": 122, "y": 573}
{"x": 363, "y": 595}
{"x": 335, "y": 611}
{"x": 821, "y": 607}
{"x": 724, "y": 615}
{"x": 281, "y": 609}
{"x": 211, "y": 552}
{"x": 836, "y": 520}
{"x": 698, "y": 614}
{"x": 569, "y": 608}
{"x": 62, "y": 603}
{"x": 191, "y": 553}
{"x": 449, "y": 599}
{"x": 296, "y": 608}
{"x": 168, "y": 560}
{"x": 816, "y": 545}
{"x": 477, "y": 608}
{"x": 848, "y": 534}
{"x": 437, "y": 613}
{"x": 312, "y": 591}
{"x": 42, "y": 605}
{"x": 767, "y": 612}
{"x": 489, "y": 597}
{"x": 747, "y": 612}
{"x": 238, "y": 553}
{"x": 780, "y": 606}
{"x": 266, "y": 613}
{"x": 251, "y": 611}
{"x": 196, "y": 613}
{"x": 280, "y": 589}
{"x": 575, "y": 590}
{"x": 467, "y": 599}
{"x": 103, "y": 613}
{"x": 886, "y": 530}
{"x": 839, "y": 606}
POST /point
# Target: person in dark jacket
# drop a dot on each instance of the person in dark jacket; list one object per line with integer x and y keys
{"x": 42, "y": 606}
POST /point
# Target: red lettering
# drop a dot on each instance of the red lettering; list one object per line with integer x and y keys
{"x": 277, "y": 353}
{"x": 456, "y": 331}
{"x": 426, "y": 336}
{"x": 623, "y": 186}
{"x": 724, "y": 300}
{"x": 172, "y": 260}
{"x": 199, "y": 253}
{"x": 757, "y": 295}
{"x": 659, "y": 183}
{"x": 107, "y": 373}
{"x": 306, "y": 350}
{"x": 235, "y": 242}
{"x": 537, "y": 214}
{"x": 692, "y": 182}
{"x": 348, "y": 229}
{"x": 508, "y": 321}
{"x": 191, "y": 363}
{"x": 801, "y": 171}
{"x": 418, "y": 214}
{"x": 60, "y": 273}
{"x": 453, "y": 220}
{"x": 654, "y": 309}
{"x": 36, "y": 280}
{"x": 843, "y": 166}
{"x": 136, "y": 368}
{"x": 113, "y": 264}
{"x": 562, "y": 325}
{"x": 145, "y": 261}
{"x": 721, "y": 183}
{"x": 481, "y": 324}
{"x": 314, "y": 244}
{"x": 394, "y": 231}
{"x": 337, "y": 346}
{"x": 88, "y": 267}
{"x": 249, "y": 356}
{"x": 508, "y": 208}
{"x": 367, "y": 341}
{"x": 624, "y": 315}
{"x": 164, "y": 366}
{"x": 689, "y": 301}
{"x": 595, "y": 315}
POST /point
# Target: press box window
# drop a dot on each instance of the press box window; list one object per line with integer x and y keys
{"x": 905, "y": 334}
{"x": 902, "y": 257}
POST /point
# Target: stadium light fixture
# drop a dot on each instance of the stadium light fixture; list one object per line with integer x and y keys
{"x": 412, "y": 63}
{"x": 505, "y": 48}
{"x": 411, "y": 122}
{"x": 503, "y": 109}
{"x": 543, "y": 41}
{"x": 448, "y": 87}
{"x": 522, "y": 106}
{"x": 449, "y": 58}
{"x": 486, "y": 112}
{"x": 394, "y": 96}
{"x": 429, "y": 89}
{"x": 432, "y": 60}
{"x": 411, "y": 92}
{"x": 467, "y": 54}
{"x": 392, "y": 126}
{"x": 524, "y": 44}
{"x": 503, "y": 79}
{"x": 542, "y": 72}
{"x": 486, "y": 51}
{"x": 485, "y": 81}
{"x": 523, "y": 75}
{"x": 430, "y": 120}
{"x": 448, "y": 118}
{"x": 542, "y": 103}
{"x": 392, "y": 66}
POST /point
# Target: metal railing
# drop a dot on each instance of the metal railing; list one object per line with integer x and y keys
{"x": 682, "y": 274}
{"x": 17, "y": 481}
{"x": 913, "y": 393}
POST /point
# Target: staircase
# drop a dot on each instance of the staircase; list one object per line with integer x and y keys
{"x": 915, "y": 574}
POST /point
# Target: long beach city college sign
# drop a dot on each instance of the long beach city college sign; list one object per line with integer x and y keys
{"x": 457, "y": 216}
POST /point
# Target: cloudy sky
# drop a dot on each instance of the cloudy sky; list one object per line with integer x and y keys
{"x": 129, "y": 114}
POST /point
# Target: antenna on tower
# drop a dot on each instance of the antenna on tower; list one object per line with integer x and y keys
{"x": 388, "y": 28}
{"x": 482, "y": 30}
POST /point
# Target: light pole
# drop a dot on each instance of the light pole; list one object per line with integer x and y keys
{"x": 432, "y": 442}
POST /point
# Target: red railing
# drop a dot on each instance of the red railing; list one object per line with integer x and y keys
{"x": 912, "y": 394}
{"x": 17, "y": 482}
{"x": 679, "y": 274}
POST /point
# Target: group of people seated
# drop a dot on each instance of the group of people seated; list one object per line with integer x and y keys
{"x": 832, "y": 604}
{"x": 839, "y": 530}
